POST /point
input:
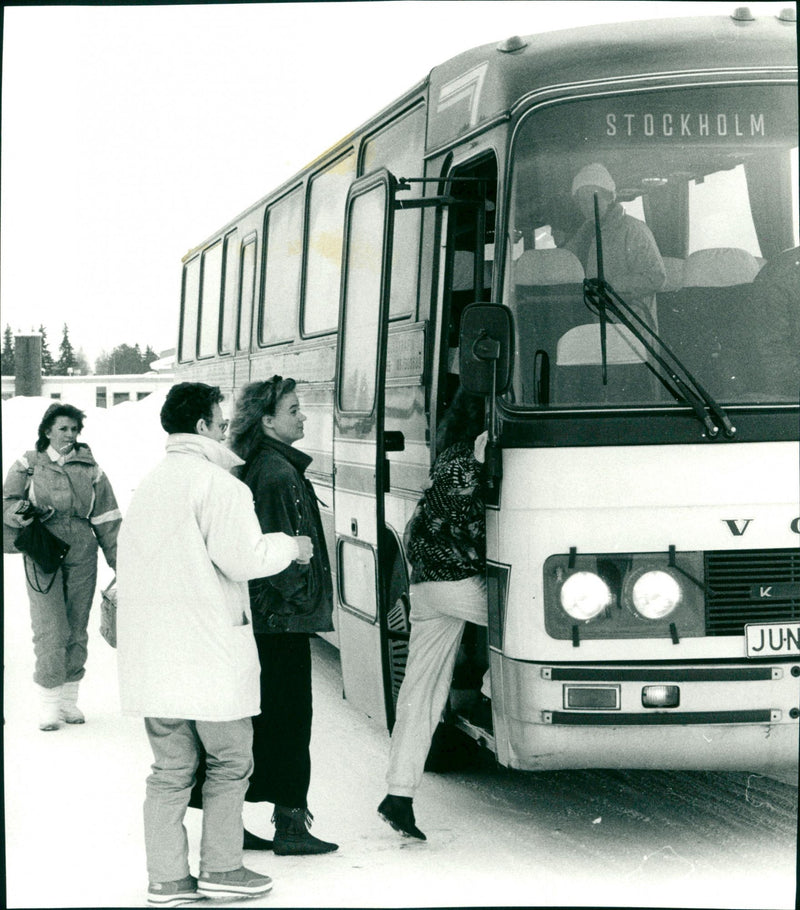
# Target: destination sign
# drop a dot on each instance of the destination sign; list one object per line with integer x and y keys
{"x": 718, "y": 115}
{"x": 686, "y": 124}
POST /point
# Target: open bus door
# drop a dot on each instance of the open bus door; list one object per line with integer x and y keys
{"x": 359, "y": 447}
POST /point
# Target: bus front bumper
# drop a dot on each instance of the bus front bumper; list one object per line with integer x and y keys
{"x": 720, "y": 716}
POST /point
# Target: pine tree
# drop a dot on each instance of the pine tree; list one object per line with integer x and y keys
{"x": 7, "y": 362}
{"x": 48, "y": 366}
{"x": 148, "y": 357}
{"x": 124, "y": 359}
{"x": 66, "y": 361}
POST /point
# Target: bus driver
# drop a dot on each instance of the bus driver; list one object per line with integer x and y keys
{"x": 632, "y": 263}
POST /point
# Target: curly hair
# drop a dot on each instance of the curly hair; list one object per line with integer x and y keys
{"x": 188, "y": 402}
{"x": 257, "y": 400}
{"x": 51, "y": 415}
{"x": 465, "y": 419}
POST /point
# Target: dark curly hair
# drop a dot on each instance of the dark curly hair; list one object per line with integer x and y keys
{"x": 257, "y": 400}
{"x": 465, "y": 419}
{"x": 188, "y": 402}
{"x": 51, "y": 415}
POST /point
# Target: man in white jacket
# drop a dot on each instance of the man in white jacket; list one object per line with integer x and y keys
{"x": 187, "y": 658}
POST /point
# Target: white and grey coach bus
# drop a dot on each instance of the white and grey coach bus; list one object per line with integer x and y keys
{"x": 643, "y": 525}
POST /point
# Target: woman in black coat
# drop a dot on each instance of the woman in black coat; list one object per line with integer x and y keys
{"x": 287, "y": 608}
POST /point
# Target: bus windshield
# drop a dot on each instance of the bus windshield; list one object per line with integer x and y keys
{"x": 694, "y": 195}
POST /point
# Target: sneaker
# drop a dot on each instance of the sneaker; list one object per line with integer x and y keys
{"x": 239, "y": 882}
{"x": 173, "y": 894}
{"x": 397, "y": 810}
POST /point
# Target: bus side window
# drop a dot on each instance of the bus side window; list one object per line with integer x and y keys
{"x": 247, "y": 292}
{"x": 283, "y": 234}
{"x": 400, "y": 148}
{"x": 228, "y": 314}
{"x": 189, "y": 307}
{"x": 211, "y": 286}
{"x": 327, "y": 194}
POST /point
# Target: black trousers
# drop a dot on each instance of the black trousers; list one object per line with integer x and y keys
{"x": 282, "y": 732}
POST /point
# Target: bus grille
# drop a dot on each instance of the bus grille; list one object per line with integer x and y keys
{"x": 731, "y": 578}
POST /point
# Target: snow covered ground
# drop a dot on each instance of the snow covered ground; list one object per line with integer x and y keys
{"x": 73, "y": 798}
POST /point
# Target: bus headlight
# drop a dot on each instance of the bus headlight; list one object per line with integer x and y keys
{"x": 654, "y": 594}
{"x": 584, "y": 595}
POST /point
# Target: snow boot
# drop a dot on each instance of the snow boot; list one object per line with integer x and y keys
{"x": 49, "y": 714}
{"x": 68, "y": 707}
{"x": 292, "y": 837}
{"x": 398, "y": 811}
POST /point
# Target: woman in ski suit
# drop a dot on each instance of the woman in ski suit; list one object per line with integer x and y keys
{"x": 60, "y": 476}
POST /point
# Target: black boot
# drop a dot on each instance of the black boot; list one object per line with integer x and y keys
{"x": 398, "y": 811}
{"x": 292, "y": 837}
{"x": 254, "y": 842}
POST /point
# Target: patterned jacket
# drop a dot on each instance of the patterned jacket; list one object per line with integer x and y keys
{"x": 446, "y": 537}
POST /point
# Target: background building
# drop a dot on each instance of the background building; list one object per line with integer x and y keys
{"x": 97, "y": 391}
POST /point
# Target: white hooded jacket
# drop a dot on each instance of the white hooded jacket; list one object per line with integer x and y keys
{"x": 189, "y": 542}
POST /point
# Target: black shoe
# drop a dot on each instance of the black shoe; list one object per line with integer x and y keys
{"x": 254, "y": 842}
{"x": 398, "y": 812}
{"x": 292, "y": 837}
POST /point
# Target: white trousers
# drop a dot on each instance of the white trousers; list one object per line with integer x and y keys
{"x": 439, "y": 610}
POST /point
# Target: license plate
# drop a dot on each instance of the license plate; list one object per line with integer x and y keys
{"x": 770, "y": 639}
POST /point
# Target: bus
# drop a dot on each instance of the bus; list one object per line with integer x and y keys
{"x": 643, "y": 516}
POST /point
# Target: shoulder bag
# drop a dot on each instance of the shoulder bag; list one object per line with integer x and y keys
{"x": 43, "y": 550}
{"x": 108, "y": 613}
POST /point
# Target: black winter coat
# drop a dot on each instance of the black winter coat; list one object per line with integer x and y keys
{"x": 299, "y": 599}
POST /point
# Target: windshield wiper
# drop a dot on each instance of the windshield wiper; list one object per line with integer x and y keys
{"x": 598, "y": 293}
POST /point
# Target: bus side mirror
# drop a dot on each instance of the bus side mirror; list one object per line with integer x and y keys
{"x": 485, "y": 348}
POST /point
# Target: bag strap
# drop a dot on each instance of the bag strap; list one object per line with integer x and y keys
{"x": 37, "y": 586}
{"x": 32, "y": 458}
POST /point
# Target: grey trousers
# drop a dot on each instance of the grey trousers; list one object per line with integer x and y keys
{"x": 177, "y": 745}
{"x": 59, "y": 619}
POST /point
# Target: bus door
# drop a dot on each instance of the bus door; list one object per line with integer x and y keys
{"x": 359, "y": 447}
{"x": 468, "y": 232}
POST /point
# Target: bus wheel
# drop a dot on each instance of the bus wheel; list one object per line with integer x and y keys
{"x": 398, "y": 627}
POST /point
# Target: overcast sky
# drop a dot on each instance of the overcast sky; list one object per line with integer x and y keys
{"x": 129, "y": 134}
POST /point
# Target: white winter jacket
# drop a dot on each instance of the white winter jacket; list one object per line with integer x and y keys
{"x": 189, "y": 542}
